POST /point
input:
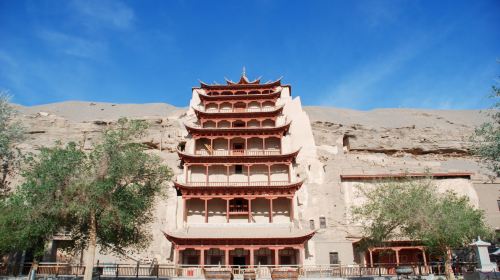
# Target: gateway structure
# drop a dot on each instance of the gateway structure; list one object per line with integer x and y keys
{"x": 239, "y": 184}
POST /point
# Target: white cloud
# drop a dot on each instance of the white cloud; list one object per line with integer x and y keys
{"x": 107, "y": 13}
{"x": 354, "y": 89}
{"x": 73, "y": 45}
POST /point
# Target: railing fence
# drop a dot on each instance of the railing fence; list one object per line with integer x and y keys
{"x": 260, "y": 271}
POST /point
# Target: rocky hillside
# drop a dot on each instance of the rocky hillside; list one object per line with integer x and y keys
{"x": 418, "y": 136}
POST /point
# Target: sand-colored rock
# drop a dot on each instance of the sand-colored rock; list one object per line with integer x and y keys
{"x": 345, "y": 142}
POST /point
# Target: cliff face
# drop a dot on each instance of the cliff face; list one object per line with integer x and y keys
{"x": 347, "y": 142}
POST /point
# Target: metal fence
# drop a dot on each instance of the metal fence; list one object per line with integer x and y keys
{"x": 261, "y": 271}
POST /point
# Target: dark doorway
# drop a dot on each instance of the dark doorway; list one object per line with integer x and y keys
{"x": 285, "y": 260}
{"x": 262, "y": 260}
{"x": 239, "y": 261}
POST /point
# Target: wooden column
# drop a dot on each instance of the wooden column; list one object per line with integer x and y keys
{"x": 184, "y": 207}
{"x": 228, "y": 146}
{"x": 397, "y": 256}
{"x": 251, "y": 257}
{"x": 250, "y": 210}
{"x": 227, "y": 172}
{"x": 206, "y": 210}
{"x": 424, "y": 258}
{"x": 176, "y": 255}
{"x": 276, "y": 257}
{"x": 245, "y": 151}
{"x": 289, "y": 172}
{"x": 202, "y": 257}
{"x": 371, "y": 257}
{"x": 186, "y": 172}
{"x": 227, "y": 210}
{"x": 248, "y": 174}
{"x": 206, "y": 174}
{"x": 271, "y": 210}
{"x": 291, "y": 209}
{"x": 269, "y": 174}
{"x": 301, "y": 255}
{"x": 226, "y": 257}
{"x": 211, "y": 151}
{"x": 263, "y": 144}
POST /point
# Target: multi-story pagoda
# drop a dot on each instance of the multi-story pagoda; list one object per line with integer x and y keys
{"x": 239, "y": 184}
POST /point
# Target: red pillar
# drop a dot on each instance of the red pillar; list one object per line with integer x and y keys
{"x": 276, "y": 257}
{"x": 269, "y": 174}
{"x": 184, "y": 206}
{"x": 226, "y": 257}
{"x": 248, "y": 174}
{"x": 227, "y": 210}
{"x": 289, "y": 172}
{"x": 176, "y": 255}
{"x": 302, "y": 255}
{"x": 227, "y": 172}
{"x": 271, "y": 210}
{"x": 251, "y": 257}
{"x": 245, "y": 151}
{"x": 202, "y": 257}
{"x": 206, "y": 174}
{"x": 249, "y": 210}
{"x": 206, "y": 210}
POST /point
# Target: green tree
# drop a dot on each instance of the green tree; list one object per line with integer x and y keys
{"x": 487, "y": 136}
{"x": 104, "y": 197}
{"x": 414, "y": 209}
{"x": 11, "y": 132}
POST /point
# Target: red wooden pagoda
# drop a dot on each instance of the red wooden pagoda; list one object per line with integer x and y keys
{"x": 238, "y": 186}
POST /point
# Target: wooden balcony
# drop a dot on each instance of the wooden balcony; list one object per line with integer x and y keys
{"x": 235, "y": 152}
{"x": 237, "y": 110}
{"x": 237, "y": 184}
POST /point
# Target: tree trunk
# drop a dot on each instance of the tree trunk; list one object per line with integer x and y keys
{"x": 89, "y": 265}
{"x": 450, "y": 275}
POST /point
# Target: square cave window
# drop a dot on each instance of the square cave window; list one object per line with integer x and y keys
{"x": 238, "y": 169}
{"x": 322, "y": 222}
{"x": 334, "y": 258}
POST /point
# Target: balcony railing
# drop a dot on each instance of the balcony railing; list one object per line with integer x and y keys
{"x": 237, "y": 152}
{"x": 183, "y": 271}
{"x": 237, "y": 110}
{"x": 238, "y": 184}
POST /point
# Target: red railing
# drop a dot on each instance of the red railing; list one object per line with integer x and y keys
{"x": 238, "y": 110}
{"x": 238, "y": 184}
{"x": 237, "y": 152}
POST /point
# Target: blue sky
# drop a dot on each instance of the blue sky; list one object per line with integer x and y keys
{"x": 351, "y": 54}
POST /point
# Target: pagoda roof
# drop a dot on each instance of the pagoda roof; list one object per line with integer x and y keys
{"x": 243, "y": 82}
{"x": 237, "y": 159}
{"x": 228, "y": 114}
{"x": 237, "y": 130}
{"x": 264, "y": 96}
{"x": 241, "y": 188}
{"x": 240, "y": 235}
